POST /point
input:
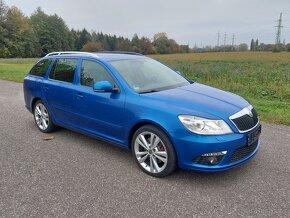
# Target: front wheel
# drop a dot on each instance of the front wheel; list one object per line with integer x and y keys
{"x": 153, "y": 151}
{"x": 42, "y": 117}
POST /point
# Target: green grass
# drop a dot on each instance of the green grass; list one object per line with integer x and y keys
{"x": 263, "y": 78}
{"x": 15, "y": 69}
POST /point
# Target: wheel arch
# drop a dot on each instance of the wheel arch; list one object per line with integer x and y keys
{"x": 144, "y": 123}
{"x": 35, "y": 99}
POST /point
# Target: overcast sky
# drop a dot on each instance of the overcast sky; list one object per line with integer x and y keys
{"x": 186, "y": 21}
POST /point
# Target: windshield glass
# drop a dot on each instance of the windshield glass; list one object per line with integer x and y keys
{"x": 147, "y": 75}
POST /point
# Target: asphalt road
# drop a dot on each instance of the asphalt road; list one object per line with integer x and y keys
{"x": 77, "y": 176}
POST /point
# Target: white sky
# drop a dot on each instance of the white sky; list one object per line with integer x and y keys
{"x": 186, "y": 21}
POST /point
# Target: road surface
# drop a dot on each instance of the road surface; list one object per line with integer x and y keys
{"x": 77, "y": 176}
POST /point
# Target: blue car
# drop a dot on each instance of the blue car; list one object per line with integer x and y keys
{"x": 140, "y": 104}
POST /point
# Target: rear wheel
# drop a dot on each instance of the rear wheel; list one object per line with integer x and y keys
{"x": 42, "y": 117}
{"x": 153, "y": 151}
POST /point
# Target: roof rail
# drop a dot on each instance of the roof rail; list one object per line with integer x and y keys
{"x": 119, "y": 52}
{"x": 69, "y": 52}
{"x": 92, "y": 53}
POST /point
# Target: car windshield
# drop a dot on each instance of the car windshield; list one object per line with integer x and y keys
{"x": 147, "y": 75}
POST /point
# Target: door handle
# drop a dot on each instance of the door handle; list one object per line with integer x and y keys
{"x": 80, "y": 95}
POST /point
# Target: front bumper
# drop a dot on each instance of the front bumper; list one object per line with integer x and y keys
{"x": 191, "y": 146}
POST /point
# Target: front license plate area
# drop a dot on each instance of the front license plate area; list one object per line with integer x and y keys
{"x": 254, "y": 136}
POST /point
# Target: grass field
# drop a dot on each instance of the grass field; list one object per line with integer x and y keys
{"x": 263, "y": 78}
{"x": 15, "y": 69}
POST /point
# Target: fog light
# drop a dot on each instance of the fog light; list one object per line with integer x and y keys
{"x": 210, "y": 159}
{"x": 215, "y": 154}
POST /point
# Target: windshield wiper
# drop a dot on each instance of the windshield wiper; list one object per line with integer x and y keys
{"x": 148, "y": 91}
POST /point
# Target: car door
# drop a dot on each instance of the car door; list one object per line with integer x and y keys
{"x": 59, "y": 90}
{"x": 99, "y": 113}
{"x": 33, "y": 82}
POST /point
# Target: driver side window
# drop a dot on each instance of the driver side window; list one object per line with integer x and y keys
{"x": 92, "y": 72}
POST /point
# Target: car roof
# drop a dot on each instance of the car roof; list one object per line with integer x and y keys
{"x": 103, "y": 56}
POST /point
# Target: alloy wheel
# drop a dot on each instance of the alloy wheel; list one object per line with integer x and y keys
{"x": 41, "y": 116}
{"x": 151, "y": 152}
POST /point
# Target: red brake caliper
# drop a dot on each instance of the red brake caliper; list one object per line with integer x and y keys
{"x": 161, "y": 147}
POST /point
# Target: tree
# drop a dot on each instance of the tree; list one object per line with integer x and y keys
{"x": 21, "y": 40}
{"x": 135, "y": 40}
{"x": 123, "y": 44}
{"x": 135, "y": 43}
{"x": 257, "y": 45}
{"x": 184, "y": 49}
{"x": 252, "y": 47}
{"x": 92, "y": 47}
{"x": 85, "y": 37}
{"x": 146, "y": 46}
{"x": 161, "y": 35}
{"x": 3, "y": 11}
{"x": 75, "y": 36}
{"x": 161, "y": 43}
{"x": 39, "y": 34}
{"x": 52, "y": 32}
{"x": 243, "y": 47}
{"x": 40, "y": 24}
{"x": 288, "y": 47}
{"x": 3, "y": 33}
{"x": 174, "y": 47}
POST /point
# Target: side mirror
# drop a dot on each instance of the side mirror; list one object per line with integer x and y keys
{"x": 104, "y": 86}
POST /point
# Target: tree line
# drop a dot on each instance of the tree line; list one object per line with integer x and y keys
{"x": 256, "y": 46}
{"x": 40, "y": 33}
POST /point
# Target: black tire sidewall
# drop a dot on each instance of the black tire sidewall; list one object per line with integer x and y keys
{"x": 171, "y": 154}
{"x": 51, "y": 126}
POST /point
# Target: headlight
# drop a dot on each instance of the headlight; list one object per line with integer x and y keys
{"x": 204, "y": 126}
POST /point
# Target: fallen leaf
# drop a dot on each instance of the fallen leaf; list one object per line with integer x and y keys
{"x": 48, "y": 138}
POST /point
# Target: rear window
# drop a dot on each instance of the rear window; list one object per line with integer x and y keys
{"x": 64, "y": 70}
{"x": 40, "y": 68}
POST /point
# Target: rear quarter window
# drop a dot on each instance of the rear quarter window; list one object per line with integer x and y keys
{"x": 40, "y": 68}
{"x": 64, "y": 70}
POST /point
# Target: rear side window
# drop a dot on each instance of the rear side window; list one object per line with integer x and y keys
{"x": 40, "y": 68}
{"x": 93, "y": 72}
{"x": 64, "y": 70}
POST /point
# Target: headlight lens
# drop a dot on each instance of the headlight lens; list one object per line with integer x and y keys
{"x": 204, "y": 126}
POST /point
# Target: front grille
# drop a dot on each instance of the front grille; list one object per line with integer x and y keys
{"x": 243, "y": 152}
{"x": 245, "y": 122}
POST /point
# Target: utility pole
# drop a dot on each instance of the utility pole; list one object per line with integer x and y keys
{"x": 218, "y": 39}
{"x": 233, "y": 40}
{"x": 278, "y": 34}
{"x": 225, "y": 39}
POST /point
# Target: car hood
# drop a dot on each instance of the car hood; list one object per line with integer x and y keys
{"x": 198, "y": 100}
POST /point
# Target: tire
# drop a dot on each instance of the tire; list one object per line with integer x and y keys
{"x": 153, "y": 151}
{"x": 42, "y": 117}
